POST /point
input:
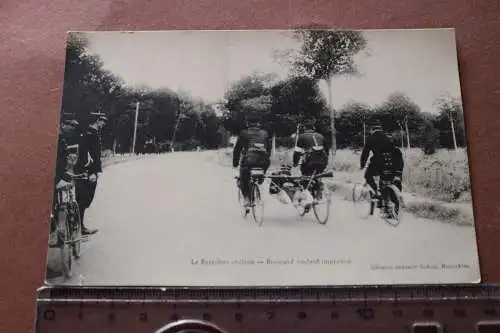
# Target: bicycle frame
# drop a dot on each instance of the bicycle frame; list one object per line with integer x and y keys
{"x": 297, "y": 179}
{"x": 253, "y": 179}
{"x": 383, "y": 185}
{"x": 66, "y": 196}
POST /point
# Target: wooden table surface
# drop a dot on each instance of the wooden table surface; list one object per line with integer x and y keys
{"x": 32, "y": 41}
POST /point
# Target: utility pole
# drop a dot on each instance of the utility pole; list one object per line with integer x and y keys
{"x": 407, "y": 133}
{"x": 175, "y": 130}
{"x": 453, "y": 131}
{"x": 135, "y": 126}
{"x": 332, "y": 120}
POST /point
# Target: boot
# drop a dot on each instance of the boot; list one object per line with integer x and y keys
{"x": 87, "y": 232}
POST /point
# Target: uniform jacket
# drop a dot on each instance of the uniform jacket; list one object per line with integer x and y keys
{"x": 251, "y": 139}
{"x": 89, "y": 152}
{"x": 380, "y": 145}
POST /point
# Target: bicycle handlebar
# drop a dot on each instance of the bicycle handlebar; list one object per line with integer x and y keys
{"x": 328, "y": 174}
{"x": 82, "y": 176}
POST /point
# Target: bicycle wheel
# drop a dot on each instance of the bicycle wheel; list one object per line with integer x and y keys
{"x": 257, "y": 204}
{"x": 392, "y": 215}
{"x": 362, "y": 199}
{"x": 321, "y": 206}
{"x": 64, "y": 235}
{"x": 244, "y": 210}
{"x": 76, "y": 227}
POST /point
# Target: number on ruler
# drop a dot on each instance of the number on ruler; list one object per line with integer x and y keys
{"x": 238, "y": 316}
{"x": 366, "y": 313}
{"x": 270, "y": 315}
{"x": 112, "y": 316}
{"x": 49, "y": 314}
{"x": 174, "y": 317}
{"x": 302, "y": 315}
{"x": 206, "y": 316}
{"x": 398, "y": 313}
{"x": 143, "y": 316}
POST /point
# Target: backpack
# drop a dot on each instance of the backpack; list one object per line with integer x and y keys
{"x": 317, "y": 155}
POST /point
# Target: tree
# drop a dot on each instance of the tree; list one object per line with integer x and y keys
{"x": 351, "y": 124}
{"x": 249, "y": 90}
{"x": 293, "y": 99}
{"x": 281, "y": 104}
{"x": 402, "y": 110}
{"x": 430, "y": 140}
{"x": 450, "y": 121}
{"x": 325, "y": 54}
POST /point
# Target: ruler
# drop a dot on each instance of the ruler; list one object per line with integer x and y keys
{"x": 370, "y": 309}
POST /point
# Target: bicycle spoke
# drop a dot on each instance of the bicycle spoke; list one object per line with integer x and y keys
{"x": 392, "y": 213}
{"x": 362, "y": 200}
{"x": 257, "y": 205}
{"x": 321, "y": 207}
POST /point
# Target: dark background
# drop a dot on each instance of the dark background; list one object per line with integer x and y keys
{"x": 32, "y": 42}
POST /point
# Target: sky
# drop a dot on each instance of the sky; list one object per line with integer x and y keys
{"x": 420, "y": 63}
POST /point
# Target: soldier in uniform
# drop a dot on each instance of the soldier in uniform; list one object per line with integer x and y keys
{"x": 252, "y": 150}
{"x": 89, "y": 162}
{"x": 311, "y": 152}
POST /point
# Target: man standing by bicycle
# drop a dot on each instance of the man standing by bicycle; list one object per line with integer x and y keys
{"x": 251, "y": 151}
{"x": 387, "y": 159}
{"x": 89, "y": 163}
{"x": 311, "y": 150}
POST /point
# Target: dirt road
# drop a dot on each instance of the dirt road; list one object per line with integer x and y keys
{"x": 175, "y": 220}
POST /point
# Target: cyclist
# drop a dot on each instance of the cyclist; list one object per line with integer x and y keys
{"x": 312, "y": 149}
{"x": 387, "y": 159}
{"x": 252, "y": 150}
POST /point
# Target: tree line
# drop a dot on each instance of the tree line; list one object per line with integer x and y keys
{"x": 284, "y": 104}
{"x": 405, "y": 122}
{"x": 166, "y": 119}
{"x": 175, "y": 120}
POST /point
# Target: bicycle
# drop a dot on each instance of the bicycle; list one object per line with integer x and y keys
{"x": 391, "y": 201}
{"x": 298, "y": 194}
{"x": 66, "y": 222}
{"x": 255, "y": 200}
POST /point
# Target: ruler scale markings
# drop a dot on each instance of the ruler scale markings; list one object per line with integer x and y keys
{"x": 334, "y": 298}
{"x": 453, "y": 306}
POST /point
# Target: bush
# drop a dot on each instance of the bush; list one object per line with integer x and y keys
{"x": 430, "y": 147}
{"x": 443, "y": 175}
{"x": 436, "y": 211}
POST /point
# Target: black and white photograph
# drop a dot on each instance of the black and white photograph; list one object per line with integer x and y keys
{"x": 262, "y": 158}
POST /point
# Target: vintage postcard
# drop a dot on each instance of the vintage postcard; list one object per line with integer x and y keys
{"x": 262, "y": 158}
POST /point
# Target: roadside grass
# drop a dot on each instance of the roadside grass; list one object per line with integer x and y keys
{"x": 108, "y": 158}
{"x": 437, "y": 211}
